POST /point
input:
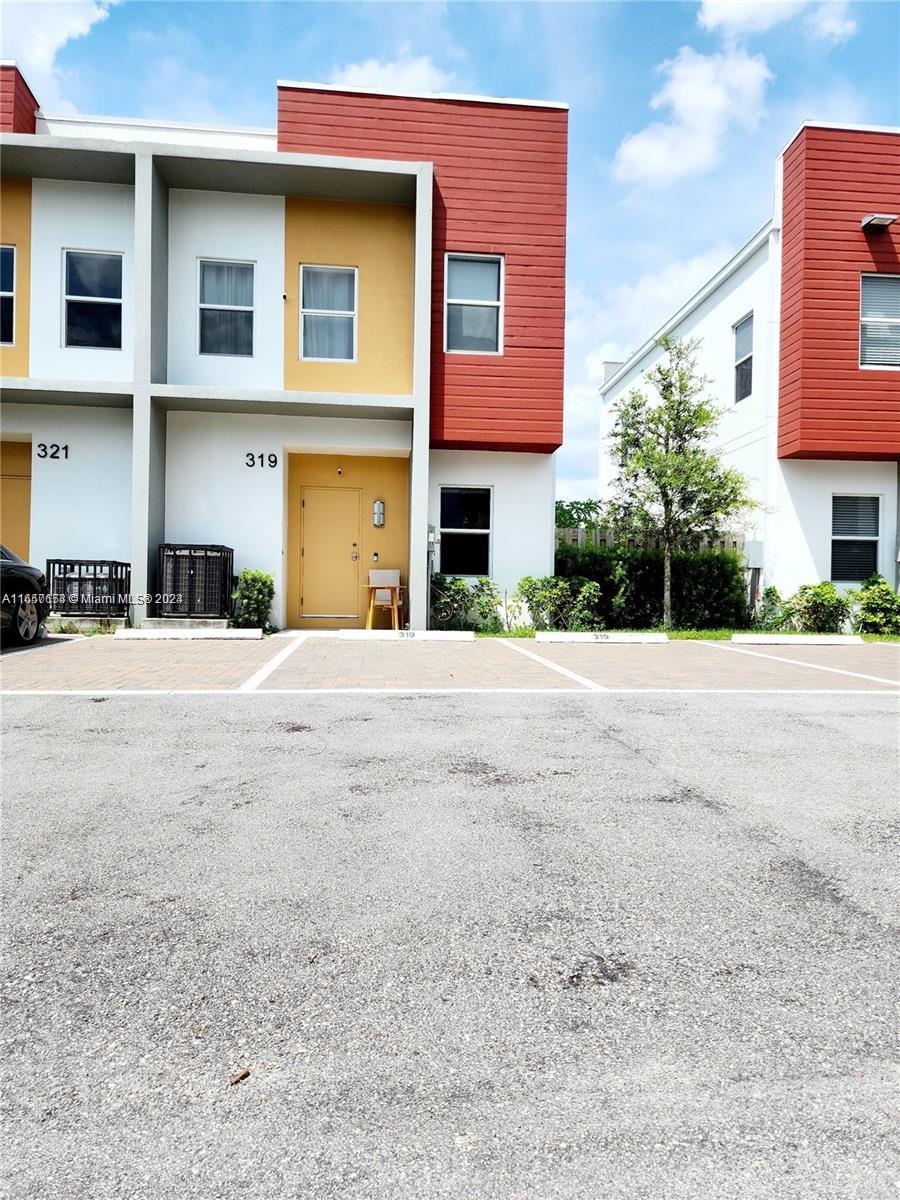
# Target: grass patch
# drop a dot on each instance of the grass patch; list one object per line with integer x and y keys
{"x": 521, "y": 631}
{"x": 72, "y": 627}
{"x": 880, "y": 637}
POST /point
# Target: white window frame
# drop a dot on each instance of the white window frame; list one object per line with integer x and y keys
{"x": 875, "y": 320}
{"x": 482, "y": 487}
{"x": 12, "y": 294}
{"x": 857, "y": 537}
{"x": 499, "y": 304}
{"x": 329, "y": 312}
{"x": 738, "y": 361}
{"x": 250, "y": 308}
{"x": 66, "y": 250}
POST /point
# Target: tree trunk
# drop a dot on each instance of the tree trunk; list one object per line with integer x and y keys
{"x": 667, "y": 585}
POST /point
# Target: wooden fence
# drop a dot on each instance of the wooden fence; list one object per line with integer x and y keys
{"x": 605, "y": 537}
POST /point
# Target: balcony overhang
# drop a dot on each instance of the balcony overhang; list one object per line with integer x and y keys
{"x": 270, "y": 173}
{"x": 191, "y": 398}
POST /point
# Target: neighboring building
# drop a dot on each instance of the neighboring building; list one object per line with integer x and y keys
{"x": 248, "y": 337}
{"x": 801, "y": 342}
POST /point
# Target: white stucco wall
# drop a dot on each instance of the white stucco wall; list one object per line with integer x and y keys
{"x": 223, "y": 225}
{"x": 799, "y": 543}
{"x": 77, "y": 216}
{"x": 212, "y": 496}
{"x": 522, "y": 517}
{"x": 80, "y": 505}
{"x": 742, "y": 432}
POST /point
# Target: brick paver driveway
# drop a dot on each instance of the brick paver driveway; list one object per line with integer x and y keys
{"x": 299, "y": 663}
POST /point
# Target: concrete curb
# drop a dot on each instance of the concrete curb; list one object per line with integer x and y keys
{"x": 402, "y": 635}
{"x": 629, "y": 638}
{"x": 187, "y": 635}
{"x": 797, "y": 639}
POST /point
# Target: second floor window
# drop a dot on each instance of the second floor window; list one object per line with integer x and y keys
{"x": 328, "y": 313}
{"x": 93, "y": 299}
{"x": 473, "y": 322}
{"x": 226, "y": 308}
{"x": 7, "y": 294}
{"x": 879, "y": 330}
{"x": 743, "y": 358}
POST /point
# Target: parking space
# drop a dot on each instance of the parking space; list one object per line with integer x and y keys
{"x": 719, "y": 666}
{"x": 309, "y": 663}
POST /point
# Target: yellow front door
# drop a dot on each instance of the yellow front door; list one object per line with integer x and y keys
{"x": 15, "y": 497}
{"x": 329, "y": 552}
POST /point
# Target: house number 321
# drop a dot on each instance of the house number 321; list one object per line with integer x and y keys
{"x": 261, "y": 460}
{"x": 54, "y": 450}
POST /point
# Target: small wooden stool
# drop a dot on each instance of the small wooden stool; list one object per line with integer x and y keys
{"x": 385, "y": 592}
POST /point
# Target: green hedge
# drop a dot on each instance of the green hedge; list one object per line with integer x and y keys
{"x": 708, "y": 587}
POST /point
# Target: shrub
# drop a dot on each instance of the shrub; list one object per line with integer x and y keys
{"x": 877, "y": 607}
{"x": 708, "y": 587}
{"x": 817, "y": 608}
{"x": 254, "y": 594}
{"x": 455, "y": 604}
{"x": 769, "y": 617}
{"x": 557, "y": 603}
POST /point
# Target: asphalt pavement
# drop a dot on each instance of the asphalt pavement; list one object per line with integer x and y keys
{"x": 498, "y": 947}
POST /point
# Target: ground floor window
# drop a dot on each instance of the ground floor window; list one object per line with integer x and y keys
{"x": 466, "y": 530}
{"x": 854, "y": 537}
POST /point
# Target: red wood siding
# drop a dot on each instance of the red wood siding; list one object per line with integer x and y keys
{"x": 17, "y": 104}
{"x": 500, "y": 188}
{"x": 830, "y": 407}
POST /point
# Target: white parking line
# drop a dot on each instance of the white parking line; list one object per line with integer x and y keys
{"x": 796, "y": 662}
{"x": 251, "y": 684}
{"x": 448, "y": 691}
{"x": 545, "y": 662}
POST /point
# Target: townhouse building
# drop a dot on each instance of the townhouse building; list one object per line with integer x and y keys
{"x": 332, "y": 346}
{"x": 800, "y": 340}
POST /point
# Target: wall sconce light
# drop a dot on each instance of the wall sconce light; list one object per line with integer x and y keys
{"x": 378, "y": 514}
{"x": 875, "y": 222}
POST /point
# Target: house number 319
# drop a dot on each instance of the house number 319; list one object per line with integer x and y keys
{"x": 261, "y": 460}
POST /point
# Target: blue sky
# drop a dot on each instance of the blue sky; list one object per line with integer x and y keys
{"x": 678, "y": 111}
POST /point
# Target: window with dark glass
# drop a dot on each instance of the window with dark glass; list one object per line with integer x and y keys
{"x": 226, "y": 308}
{"x": 474, "y": 316}
{"x": 743, "y": 358}
{"x": 465, "y": 530}
{"x": 854, "y": 538}
{"x": 7, "y": 294}
{"x": 879, "y": 329}
{"x": 93, "y": 299}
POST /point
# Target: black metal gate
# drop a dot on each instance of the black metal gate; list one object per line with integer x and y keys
{"x": 195, "y": 581}
{"x": 89, "y": 587}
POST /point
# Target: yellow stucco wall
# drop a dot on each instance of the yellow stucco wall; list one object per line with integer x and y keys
{"x": 379, "y": 240}
{"x": 15, "y": 230}
{"x": 380, "y": 478}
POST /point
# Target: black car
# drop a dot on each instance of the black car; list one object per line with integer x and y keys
{"x": 24, "y": 605}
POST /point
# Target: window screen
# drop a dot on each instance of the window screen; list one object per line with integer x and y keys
{"x": 854, "y": 537}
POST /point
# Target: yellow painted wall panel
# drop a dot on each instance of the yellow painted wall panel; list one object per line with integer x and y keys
{"x": 15, "y": 497}
{"x": 379, "y": 240}
{"x": 375, "y": 478}
{"x": 15, "y": 230}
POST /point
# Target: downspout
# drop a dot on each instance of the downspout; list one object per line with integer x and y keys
{"x": 773, "y": 350}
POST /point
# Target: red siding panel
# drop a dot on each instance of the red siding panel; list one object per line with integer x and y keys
{"x": 17, "y": 104}
{"x": 499, "y": 188}
{"x": 830, "y": 407}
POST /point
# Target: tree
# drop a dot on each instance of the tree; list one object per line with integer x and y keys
{"x": 669, "y": 483}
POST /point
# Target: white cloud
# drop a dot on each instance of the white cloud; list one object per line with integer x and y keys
{"x": 405, "y": 74}
{"x": 34, "y": 33}
{"x": 831, "y": 22}
{"x": 827, "y": 20}
{"x": 706, "y": 94}
{"x": 610, "y": 329}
